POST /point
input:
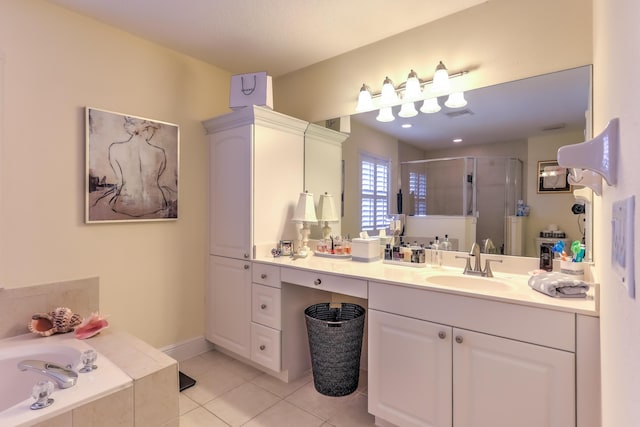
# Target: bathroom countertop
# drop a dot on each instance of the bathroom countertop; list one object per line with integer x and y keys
{"x": 417, "y": 277}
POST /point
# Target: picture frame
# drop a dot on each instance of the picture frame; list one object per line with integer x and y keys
{"x": 286, "y": 247}
{"x": 552, "y": 178}
{"x": 132, "y": 168}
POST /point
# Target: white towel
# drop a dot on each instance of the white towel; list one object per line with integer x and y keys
{"x": 559, "y": 285}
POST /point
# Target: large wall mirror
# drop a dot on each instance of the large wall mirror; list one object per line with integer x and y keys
{"x": 507, "y": 130}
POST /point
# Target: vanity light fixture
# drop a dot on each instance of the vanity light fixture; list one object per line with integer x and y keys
{"x": 407, "y": 93}
{"x": 305, "y": 214}
{"x": 365, "y": 103}
{"x": 456, "y": 100}
{"x": 327, "y": 213}
{"x": 441, "y": 82}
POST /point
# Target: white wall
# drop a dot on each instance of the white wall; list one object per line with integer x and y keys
{"x": 56, "y": 63}
{"x": 616, "y": 88}
{"x": 499, "y": 41}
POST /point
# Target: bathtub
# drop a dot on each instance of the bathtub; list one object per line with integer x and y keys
{"x": 61, "y": 349}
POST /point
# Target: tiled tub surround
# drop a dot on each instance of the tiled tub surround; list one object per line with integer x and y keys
{"x": 151, "y": 398}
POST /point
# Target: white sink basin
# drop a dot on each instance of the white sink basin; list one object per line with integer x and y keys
{"x": 470, "y": 283}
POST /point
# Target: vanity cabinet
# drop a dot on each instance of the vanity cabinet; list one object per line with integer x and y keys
{"x": 228, "y": 304}
{"x": 452, "y": 370}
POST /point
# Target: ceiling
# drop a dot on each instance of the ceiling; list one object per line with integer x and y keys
{"x": 517, "y": 110}
{"x": 276, "y": 36}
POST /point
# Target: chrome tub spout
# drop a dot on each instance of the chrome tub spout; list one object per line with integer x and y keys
{"x": 64, "y": 377}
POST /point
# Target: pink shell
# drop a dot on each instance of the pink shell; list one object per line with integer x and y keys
{"x": 91, "y": 326}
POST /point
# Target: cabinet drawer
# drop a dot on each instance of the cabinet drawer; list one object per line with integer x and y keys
{"x": 265, "y": 346}
{"x": 325, "y": 282}
{"x": 266, "y": 275}
{"x": 265, "y": 306}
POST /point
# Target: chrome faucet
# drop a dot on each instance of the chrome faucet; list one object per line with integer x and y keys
{"x": 477, "y": 269}
{"x": 64, "y": 377}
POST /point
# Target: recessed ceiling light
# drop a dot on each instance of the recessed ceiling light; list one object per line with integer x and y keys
{"x": 406, "y": 125}
{"x": 457, "y": 140}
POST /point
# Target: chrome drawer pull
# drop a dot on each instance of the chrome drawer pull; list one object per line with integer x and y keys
{"x": 246, "y": 266}
{"x": 262, "y": 347}
{"x": 459, "y": 339}
{"x": 263, "y": 306}
{"x": 442, "y": 335}
{"x": 317, "y": 282}
{"x": 263, "y": 276}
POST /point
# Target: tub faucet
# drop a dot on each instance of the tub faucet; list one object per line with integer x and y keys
{"x": 64, "y": 377}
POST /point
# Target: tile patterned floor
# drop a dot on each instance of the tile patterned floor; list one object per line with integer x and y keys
{"x": 230, "y": 393}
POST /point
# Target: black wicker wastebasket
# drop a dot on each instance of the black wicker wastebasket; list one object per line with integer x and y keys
{"x": 335, "y": 342}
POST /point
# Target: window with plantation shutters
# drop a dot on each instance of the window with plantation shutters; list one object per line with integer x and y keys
{"x": 418, "y": 188}
{"x": 374, "y": 173}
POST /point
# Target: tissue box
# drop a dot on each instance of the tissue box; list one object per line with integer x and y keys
{"x": 250, "y": 89}
{"x": 365, "y": 250}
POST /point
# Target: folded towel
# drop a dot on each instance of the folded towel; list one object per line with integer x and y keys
{"x": 559, "y": 285}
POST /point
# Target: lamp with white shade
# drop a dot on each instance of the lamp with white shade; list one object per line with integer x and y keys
{"x": 327, "y": 213}
{"x": 305, "y": 214}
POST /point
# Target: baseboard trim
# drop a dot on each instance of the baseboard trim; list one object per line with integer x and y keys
{"x": 187, "y": 349}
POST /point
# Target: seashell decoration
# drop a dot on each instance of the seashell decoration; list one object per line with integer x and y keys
{"x": 60, "y": 320}
{"x": 91, "y": 326}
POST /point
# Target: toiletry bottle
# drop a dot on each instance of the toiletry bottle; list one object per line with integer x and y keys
{"x": 436, "y": 253}
{"x": 388, "y": 253}
{"x": 446, "y": 245}
{"x": 546, "y": 258}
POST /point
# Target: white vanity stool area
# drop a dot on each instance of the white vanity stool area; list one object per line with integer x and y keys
{"x": 445, "y": 356}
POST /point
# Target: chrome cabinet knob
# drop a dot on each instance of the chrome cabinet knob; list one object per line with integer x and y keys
{"x": 262, "y": 347}
{"x": 263, "y": 306}
{"x": 263, "y": 276}
{"x": 459, "y": 339}
{"x": 246, "y": 266}
{"x": 317, "y": 282}
{"x": 442, "y": 335}
{"x": 246, "y": 256}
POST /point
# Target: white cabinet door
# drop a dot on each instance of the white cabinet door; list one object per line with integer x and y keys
{"x": 504, "y": 383}
{"x": 230, "y": 176}
{"x": 228, "y": 304}
{"x": 409, "y": 371}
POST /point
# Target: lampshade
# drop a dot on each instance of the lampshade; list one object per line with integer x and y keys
{"x": 408, "y": 110}
{"x": 365, "y": 103}
{"x": 456, "y": 100}
{"x": 385, "y": 115}
{"x": 430, "y": 106}
{"x": 412, "y": 90}
{"x": 388, "y": 95}
{"x": 440, "y": 79}
{"x": 327, "y": 209}
{"x": 306, "y": 210}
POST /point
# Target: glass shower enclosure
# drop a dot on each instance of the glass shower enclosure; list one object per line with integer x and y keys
{"x": 485, "y": 187}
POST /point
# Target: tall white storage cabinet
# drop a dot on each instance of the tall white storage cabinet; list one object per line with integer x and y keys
{"x": 256, "y": 175}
